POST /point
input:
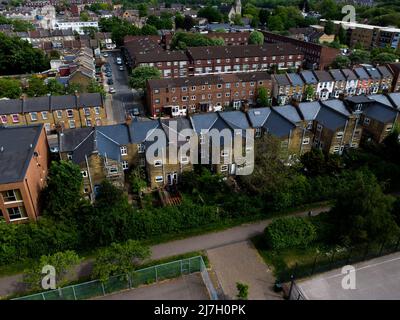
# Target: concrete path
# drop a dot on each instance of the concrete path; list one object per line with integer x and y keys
{"x": 240, "y": 262}
{"x": 11, "y": 284}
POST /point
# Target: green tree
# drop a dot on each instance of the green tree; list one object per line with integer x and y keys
{"x": 19, "y": 57}
{"x": 275, "y": 23}
{"x": 148, "y": 30}
{"x": 188, "y": 22}
{"x": 362, "y": 212}
{"x": 75, "y": 87}
{"x": 263, "y": 16}
{"x": 341, "y": 62}
{"x": 63, "y": 262}
{"x": 237, "y": 20}
{"x": 342, "y": 35}
{"x": 10, "y": 88}
{"x": 360, "y": 56}
{"x": 179, "y": 18}
{"x": 210, "y": 13}
{"x": 95, "y": 87}
{"x": 329, "y": 27}
{"x": 36, "y": 87}
{"x": 243, "y": 291}
{"x": 84, "y": 16}
{"x": 256, "y": 37}
{"x": 141, "y": 74}
{"x": 384, "y": 57}
{"x": 137, "y": 181}
{"x": 142, "y": 7}
{"x": 263, "y": 98}
{"x": 309, "y": 92}
{"x": 55, "y": 88}
{"x": 63, "y": 194}
{"x": 119, "y": 259}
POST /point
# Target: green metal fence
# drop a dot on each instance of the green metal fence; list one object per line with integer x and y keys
{"x": 148, "y": 275}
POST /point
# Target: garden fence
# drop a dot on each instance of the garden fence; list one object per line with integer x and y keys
{"x": 339, "y": 258}
{"x": 117, "y": 283}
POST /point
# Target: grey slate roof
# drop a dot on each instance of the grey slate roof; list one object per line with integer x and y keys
{"x": 10, "y": 106}
{"x": 380, "y": 112}
{"x": 349, "y": 74}
{"x": 62, "y": 102}
{"x": 295, "y": 79}
{"x": 289, "y": 112}
{"x": 90, "y": 100}
{"x": 323, "y": 76}
{"x": 373, "y": 72}
{"x": 381, "y": 98}
{"x": 337, "y": 75}
{"x": 309, "y": 110}
{"x": 331, "y": 119}
{"x": 235, "y": 119}
{"x": 337, "y": 105}
{"x": 139, "y": 130}
{"x": 258, "y": 116}
{"x": 361, "y": 74}
{"x": 395, "y": 98}
{"x": 281, "y": 79}
{"x": 36, "y": 104}
{"x": 308, "y": 77}
{"x": 16, "y": 142}
{"x": 278, "y": 126}
{"x": 384, "y": 71}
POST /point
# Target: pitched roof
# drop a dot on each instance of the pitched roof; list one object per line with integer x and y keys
{"x": 309, "y": 110}
{"x": 258, "y": 116}
{"x": 337, "y": 75}
{"x": 373, "y": 72}
{"x": 384, "y": 71}
{"x": 278, "y": 125}
{"x": 323, "y": 76}
{"x": 395, "y": 98}
{"x": 295, "y": 79}
{"x": 381, "y": 99}
{"x": 308, "y": 77}
{"x": 281, "y": 79}
{"x": 17, "y": 144}
{"x": 349, "y": 74}
{"x": 289, "y": 112}
{"x": 361, "y": 73}
{"x": 380, "y": 112}
{"x": 10, "y": 106}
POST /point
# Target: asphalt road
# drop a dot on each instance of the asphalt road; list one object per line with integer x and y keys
{"x": 376, "y": 279}
{"x": 124, "y": 99}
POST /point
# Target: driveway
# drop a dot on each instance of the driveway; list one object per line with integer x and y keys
{"x": 240, "y": 262}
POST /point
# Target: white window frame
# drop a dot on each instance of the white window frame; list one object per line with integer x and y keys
{"x": 123, "y": 150}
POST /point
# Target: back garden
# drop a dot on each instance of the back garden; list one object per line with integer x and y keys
{"x": 356, "y": 183}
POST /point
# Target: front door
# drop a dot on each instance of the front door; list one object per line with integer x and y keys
{"x": 172, "y": 178}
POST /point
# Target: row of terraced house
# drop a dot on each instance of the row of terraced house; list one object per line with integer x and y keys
{"x": 216, "y": 92}
{"x": 107, "y": 152}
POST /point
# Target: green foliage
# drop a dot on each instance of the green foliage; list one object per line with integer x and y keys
{"x": 62, "y": 195}
{"x": 384, "y": 57}
{"x": 329, "y": 28}
{"x": 275, "y": 23}
{"x": 141, "y": 74}
{"x": 119, "y": 259}
{"x": 160, "y": 23}
{"x": 309, "y": 92}
{"x": 19, "y": 57}
{"x": 36, "y": 87}
{"x": 10, "y": 88}
{"x": 341, "y": 62}
{"x": 263, "y": 97}
{"x": 182, "y": 40}
{"x": 210, "y": 13}
{"x": 243, "y": 291}
{"x": 19, "y": 25}
{"x": 149, "y": 30}
{"x": 237, "y": 20}
{"x": 362, "y": 212}
{"x": 256, "y": 37}
{"x": 317, "y": 163}
{"x": 360, "y": 56}
{"x": 290, "y": 232}
{"x": 61, "y": 261}
{"x": 137, "y": 181}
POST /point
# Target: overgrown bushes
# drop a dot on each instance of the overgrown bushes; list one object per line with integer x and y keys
{"x": 290, "y": 232}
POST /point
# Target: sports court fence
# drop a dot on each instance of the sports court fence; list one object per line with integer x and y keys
{"x": 95, "y": 288}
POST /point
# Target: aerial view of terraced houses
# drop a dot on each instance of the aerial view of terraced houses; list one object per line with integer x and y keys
{"x": 199, "y": 150}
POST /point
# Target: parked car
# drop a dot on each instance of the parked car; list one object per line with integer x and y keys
{"x": 110, "y": 81}
{"x": 119, "y": 60}
{"x": 121, "y": 68}
{"x": 135, "y": 111}
{"x": 105, "y": 54}
{"x": 108, "y": 74}
{"x": 111, "y": 90}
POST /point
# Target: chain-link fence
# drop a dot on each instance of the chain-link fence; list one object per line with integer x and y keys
{"x": 339, "y": 258}
{"x": 148, "y": 275}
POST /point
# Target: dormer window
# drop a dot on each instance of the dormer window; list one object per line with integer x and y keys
{"x": 141, "y": 148}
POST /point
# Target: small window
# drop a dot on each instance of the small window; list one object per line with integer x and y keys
{"x": 389, "y": 128}
{"x": 34, "y": 116}
{"x": 70, "y": 113}
{"x": 258, "y": 132}
{"x": 72, "y": 124}
{"x": 97, "y": 110}
{"x": 69, "y": 156}
{"x": 16, "y": 213}
{"x": 141, "y": 148}
{"x": 367, "y": 121}
{"x": 84, "y": 173}
{"x": 224, "y": 168}
{"x": 86, "y": 111}
{"x": 59, "y": 113}
{"x": 184, "y": 160}
{"x": 124, "y": 150}
{"x": 157, "y": 163}
{"x": 339, "y": 135}
{"x": 3, "y": 118}
{"x": 306, "y": 140}
{"x": 15, "y": 118}
{"x": 125, "y": 165}
{"x": 44, "y": 115}
{"x": 159, "y": 179}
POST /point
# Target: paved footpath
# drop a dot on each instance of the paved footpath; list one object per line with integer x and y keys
{"x": 12, "y": 284}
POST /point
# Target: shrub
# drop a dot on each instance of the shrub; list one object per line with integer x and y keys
{"x": 289, "y": 232}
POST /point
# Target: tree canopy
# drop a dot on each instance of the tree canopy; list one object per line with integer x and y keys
{"x": 256, "y": 37}
{"x": 141, "y": 74}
